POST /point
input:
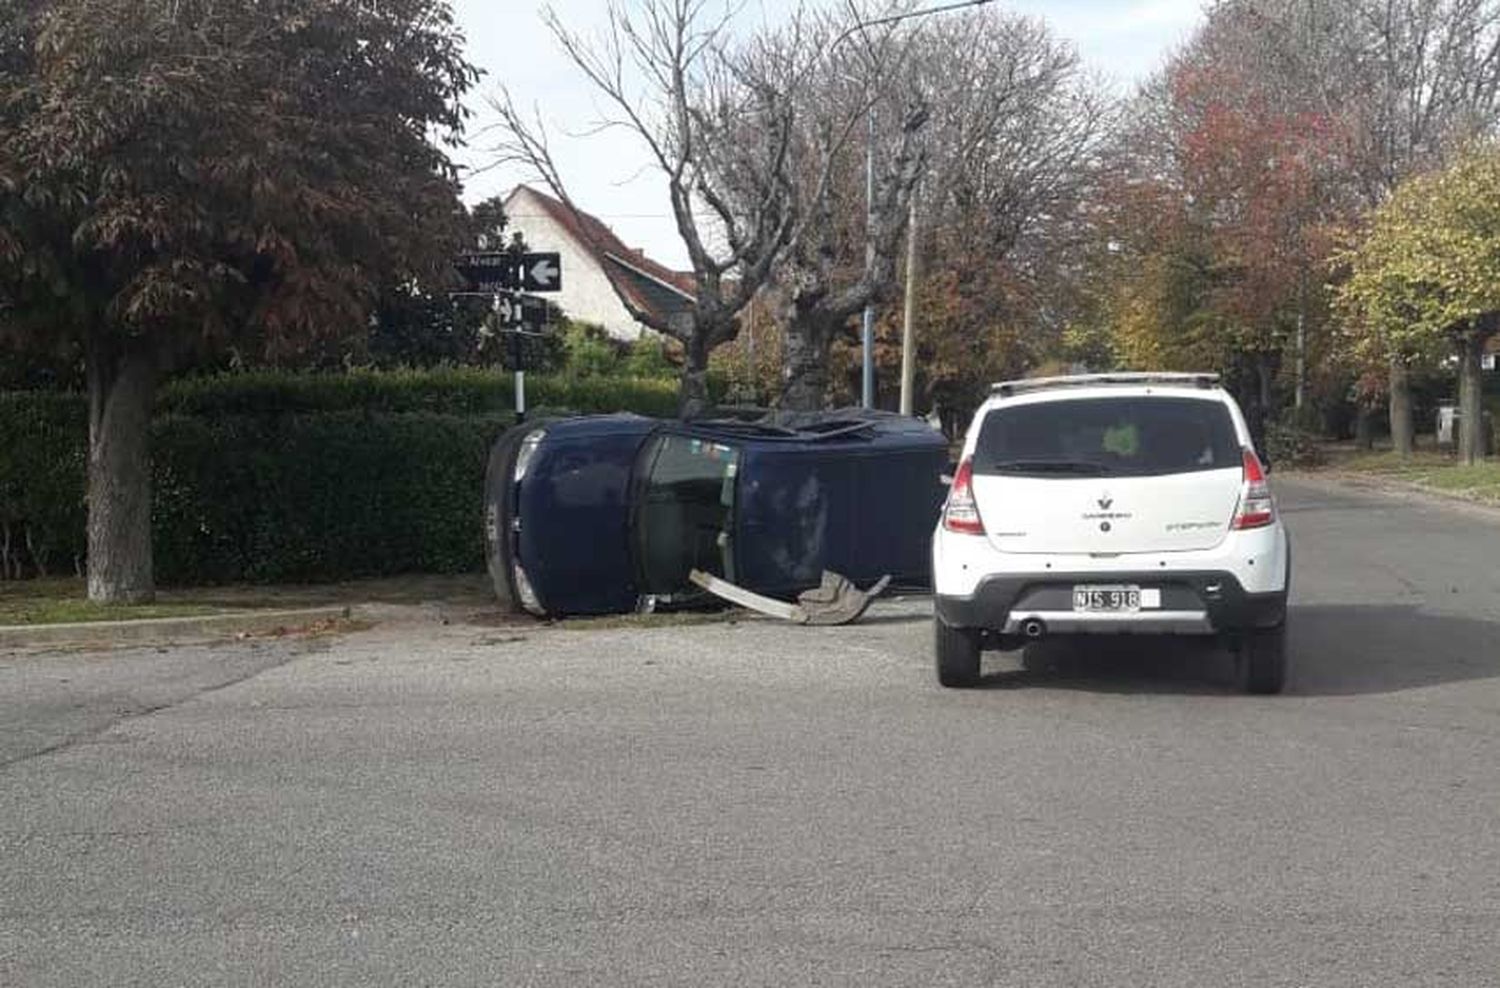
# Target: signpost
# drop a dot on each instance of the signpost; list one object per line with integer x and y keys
{"x": 512, "y": 311}
{"x": 502, "y": 276}
{"x": 506, "y": 271}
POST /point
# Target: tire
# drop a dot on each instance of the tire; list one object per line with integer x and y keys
{"x": 957, "y": 652}
{"x": 1260, "y": 661}
{"x": 497, "y": 515}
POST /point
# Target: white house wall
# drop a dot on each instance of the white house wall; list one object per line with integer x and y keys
{"x": 587, "y": 294}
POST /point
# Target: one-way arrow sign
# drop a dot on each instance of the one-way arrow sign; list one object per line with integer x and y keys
{"x": 542, "y": 275}
{"x": 502, "y": 271}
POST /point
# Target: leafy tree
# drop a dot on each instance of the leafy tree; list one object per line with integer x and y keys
{"x": 1279, "y": 122}
{"x": 1228, "y": 173}
{"x": 414, "y": 326}
{"x": 418, "y": 324}
{"x": 179, "y": 175}
{"x": 1416, "y": 78}
{"x": 1427, "y": 278}
{"x": 970, "y": 339}
{"x": 1261, "y": 163}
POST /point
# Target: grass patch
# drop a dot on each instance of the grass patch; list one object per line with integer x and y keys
{"x": 65, "y": 601}
{"x": 59, "y": 601}
{"x": 1427, "y": 468}
{"x": 1480, "y": 481}
{"x": 1388, "y": 462}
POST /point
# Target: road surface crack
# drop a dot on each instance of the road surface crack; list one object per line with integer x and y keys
{"x": 124, "y": 713}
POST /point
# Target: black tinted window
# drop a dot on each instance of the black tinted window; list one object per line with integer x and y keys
{"x": 1114, "y": 437}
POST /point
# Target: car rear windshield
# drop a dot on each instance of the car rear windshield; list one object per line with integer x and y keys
{"x": 1108, "y": 437}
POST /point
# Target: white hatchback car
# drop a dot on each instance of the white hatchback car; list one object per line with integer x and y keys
{"x": 1107, "y": 504}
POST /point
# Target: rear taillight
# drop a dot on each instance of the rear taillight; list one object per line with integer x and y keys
{"x": 962, "y": 513}
{"x": 1257, "y": 508}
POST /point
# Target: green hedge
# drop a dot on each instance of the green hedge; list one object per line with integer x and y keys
{"x": 43, "y": 456}
{"x": 319, "y": 497}
{"x": 287, "y": 477}
{"x": 450, "y": 391}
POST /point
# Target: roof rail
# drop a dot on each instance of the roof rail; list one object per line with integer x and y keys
{"x": 1007, "y": 389}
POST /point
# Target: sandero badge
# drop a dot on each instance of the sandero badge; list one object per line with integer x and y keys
{"x": 609, "y": 514}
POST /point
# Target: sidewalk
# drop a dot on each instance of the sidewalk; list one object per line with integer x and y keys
{"x": 174, "y": 630}
{"x": 1427, "y": 471}
{"x": 216, "y": 613}
{"x": 1374, "y": 485}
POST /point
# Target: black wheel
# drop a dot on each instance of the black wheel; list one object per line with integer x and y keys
{"x": 957, "y": 651}
{"x": 1260, "y": 660}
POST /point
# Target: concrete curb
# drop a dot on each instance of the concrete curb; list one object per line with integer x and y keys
{"x": 169, "y": 630}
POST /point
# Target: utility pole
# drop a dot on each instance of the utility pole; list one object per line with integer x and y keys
{"x": 1301, "y": 391}
{"x": 867, "y": 338}
{"x": 750, "y": 358}
{"x": 908, "y": 331}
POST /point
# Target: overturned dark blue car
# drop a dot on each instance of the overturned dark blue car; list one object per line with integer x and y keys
{"x": 611, "y": 514}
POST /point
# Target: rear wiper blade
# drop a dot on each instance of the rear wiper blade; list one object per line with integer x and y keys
{"x": 1084, "y": 467}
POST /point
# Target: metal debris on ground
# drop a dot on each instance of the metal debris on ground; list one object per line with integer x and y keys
{"x": 833, "y": 602}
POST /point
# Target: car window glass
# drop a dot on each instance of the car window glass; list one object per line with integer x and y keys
{"x": 686, "y": 508}
{"x": 1119, "y": 437}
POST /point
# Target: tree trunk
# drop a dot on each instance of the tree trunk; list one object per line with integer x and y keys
{"x": 804, "y": 363}
{"x": 1401, "y": 421}
{"x": 121, "y": 387}
{"x": 1364, "y": 429}
{"x": 693, "y": 400}
{"x": 1470, "y": 399}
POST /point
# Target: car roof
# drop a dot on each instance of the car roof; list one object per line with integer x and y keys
{"x": 1198, "y": 380}
{"x": 1094, "y": 386}
{"x": 1090, "y": 394}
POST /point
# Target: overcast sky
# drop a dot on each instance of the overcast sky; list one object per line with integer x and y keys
{"x": 609, "y": 175}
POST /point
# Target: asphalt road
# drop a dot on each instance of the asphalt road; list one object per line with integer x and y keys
{"x": 757, "y": 804}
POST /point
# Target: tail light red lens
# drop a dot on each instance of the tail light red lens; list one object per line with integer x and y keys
{"x": 1257, "y": 508}
{"x": 962, "y": 513}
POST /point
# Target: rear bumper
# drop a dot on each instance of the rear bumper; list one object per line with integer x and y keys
{"x": 1199, "y": 602}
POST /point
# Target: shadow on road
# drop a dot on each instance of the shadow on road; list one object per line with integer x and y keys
{"x": 1134, "y": 664}
{"x": 1342, "y": 650}
{"x": 1335, "y": 651}
{"x": 915, "y": 617}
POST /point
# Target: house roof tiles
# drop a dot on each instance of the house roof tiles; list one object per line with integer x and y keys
{"x": 640, "y": 281}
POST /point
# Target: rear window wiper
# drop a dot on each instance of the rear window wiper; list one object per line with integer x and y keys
{"x": 1081, "y": 467}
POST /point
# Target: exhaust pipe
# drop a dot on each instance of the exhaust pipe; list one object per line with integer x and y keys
{"x": 1033, "y": 629}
